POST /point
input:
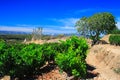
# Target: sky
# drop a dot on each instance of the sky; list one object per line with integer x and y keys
{"x": 54, "y": 16}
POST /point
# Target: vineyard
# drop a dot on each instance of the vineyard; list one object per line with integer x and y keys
{"x": 21, "y": 60}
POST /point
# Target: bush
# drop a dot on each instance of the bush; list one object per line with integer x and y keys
{"x": 29, "y": 60}
{"x": 49, "y": 51}
{"x": 6, "y": 59}
{"x": 26, "y": 59}
{"x": 115, "y": 31}
{"x": 114, "y": 39}
{"x": 2, "y": 45}
{"x": 20, "y": 59}
{"x": 72, "y": 60}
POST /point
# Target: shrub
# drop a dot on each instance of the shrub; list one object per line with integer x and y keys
{"x": 26, "y": 59}
{"x": 20, "y": 59}
{"x": 72, "y": 60}
{"x": 2, "y": 45}
{"x": 49, "y": 51}
{"x": 114, "y": 39}
{"x": 29, "y": 60}
{"x": 6, "y": 59}
{"x": 115, "y": 31}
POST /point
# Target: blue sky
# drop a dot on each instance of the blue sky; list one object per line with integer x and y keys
{"x": 55, "y": 16}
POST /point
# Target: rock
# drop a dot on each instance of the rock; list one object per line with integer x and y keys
{"x": 6, "y": 78}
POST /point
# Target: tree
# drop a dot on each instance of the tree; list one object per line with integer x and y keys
{"x": 82, "y": 27}
{"x": 100, "y": 23}
{"x": 37, "y": 33}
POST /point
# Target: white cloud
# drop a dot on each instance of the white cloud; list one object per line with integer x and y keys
{"x": 58, "y": 31}
{"x": 65, "y": 26}
{"x": 68, "y": 27}
{"x": 16, "y": 28}
{"x": 118, "y": 24}
{"x": 68, "y": 23}
{"x": 49, "y": 30}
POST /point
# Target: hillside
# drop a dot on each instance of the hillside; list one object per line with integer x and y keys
{"x": 106, "y": 59}
{"x": 103, "y": 57}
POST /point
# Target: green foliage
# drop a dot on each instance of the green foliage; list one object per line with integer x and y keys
{"x": 29, "y": 59}
{"x": 2, "y": 44}
{"x": 16, "y": 36}
{"x": 114, "y": 39}
{"x": 20, "y": 59}
{"x": 6, "y": 59}
{"x": 100, "y": 23}
{"x": 82, "y": 26}
{"x": 72, "y": 59}
{"x": 26, "y": 59}
{"x": 49, "y": 51}
{"x": 115, "y": 31}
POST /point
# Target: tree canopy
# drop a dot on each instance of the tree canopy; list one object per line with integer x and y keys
{"x": 99, "y": 23}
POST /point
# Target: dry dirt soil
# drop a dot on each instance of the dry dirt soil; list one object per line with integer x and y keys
{"x": 106, "y": 59}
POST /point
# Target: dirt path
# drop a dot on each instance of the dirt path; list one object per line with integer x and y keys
{"x": 106, "y": 59}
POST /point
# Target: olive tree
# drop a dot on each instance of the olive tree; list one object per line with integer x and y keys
{"x": 99, "y": 23}
{"x": 82, "y": 27}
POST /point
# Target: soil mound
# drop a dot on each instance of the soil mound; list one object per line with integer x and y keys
{"x": 106, "y": 59}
